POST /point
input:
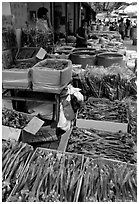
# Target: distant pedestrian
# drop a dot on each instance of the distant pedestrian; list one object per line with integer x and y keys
{"x": 127, "y": 28}
{"x": 122, "y": 28}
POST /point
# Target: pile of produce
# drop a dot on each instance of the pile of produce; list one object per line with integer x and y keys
{"x": 95, "y": 143}
{"x": 105, "y": 182}
{"x": 32, "y": 37}
{"x": 57, "y": 56}
{"x": 113, "y": 46}
{"x": 132, "y": 104}
{"x": 52, "y": 176}
{"x": 114, "y": 82}
{"x": 43, "y": 39}
{"x": 109, "y": 36}
{"x": 91, "y": 83}
{"x": 107, "y": 110}
{"x": 22, "y": 65}
{"x": 45, "y": 134}
{"x": 15, "y": 157}
{"x": 14, "y": 119}
{"x": 58, "y": 65}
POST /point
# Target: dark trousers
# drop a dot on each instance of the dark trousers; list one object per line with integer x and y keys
{"x": 122, "y": 34}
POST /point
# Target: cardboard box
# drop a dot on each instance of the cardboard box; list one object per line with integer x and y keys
{"x": 102, "y": 125}
{"x": 15, "y": 133}
{"x": 99, "y": 148}
{"x": 44, "y": 77}
{"x": 45, "y": 134}
{"x": 10, "y": 133}
{"x": 17, "y": 78}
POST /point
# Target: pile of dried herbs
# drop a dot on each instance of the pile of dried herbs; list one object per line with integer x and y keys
{"x": 113, "y": 82}
{"x": 14, "y": 119}
{"x": 22, "y": 65}
{"x": 58, "y": 65}
{"x": 95, "y": 143}
{"x": 107, "y": 110}
{"x": 14, "y": 159}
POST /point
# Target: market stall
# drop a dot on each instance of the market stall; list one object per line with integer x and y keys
{"x": 85, "y": 148}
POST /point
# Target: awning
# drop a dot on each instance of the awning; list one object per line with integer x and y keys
{"x": 131, "y": 10}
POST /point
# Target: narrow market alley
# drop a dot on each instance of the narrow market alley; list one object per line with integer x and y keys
{"x": 69, "y": 102}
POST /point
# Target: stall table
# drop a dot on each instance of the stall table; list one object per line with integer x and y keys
{"x": 46, "y": 96}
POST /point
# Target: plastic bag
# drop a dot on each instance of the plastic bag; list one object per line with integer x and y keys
{"x": 63, "y": 123}
{"x": 67, "y": 108}
{"x": 79, "y": 96}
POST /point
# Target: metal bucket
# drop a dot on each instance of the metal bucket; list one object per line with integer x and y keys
{"x": 109, "y": 58}
{"x": 83, "y": 57}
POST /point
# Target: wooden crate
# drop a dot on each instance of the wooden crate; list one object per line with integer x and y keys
{"x": 104, "y": 125}
{"x": 101, "y": 161}
{"x": 100, "y": 126}
{"x": 45, "y": 134}
{"x": 35, "y": 156}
